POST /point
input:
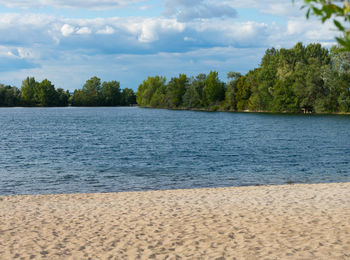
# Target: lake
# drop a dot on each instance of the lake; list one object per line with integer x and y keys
{"x": 83, "y": 150}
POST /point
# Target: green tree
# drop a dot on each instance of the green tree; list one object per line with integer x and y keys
{"x": 28, "y": 87}
{"x": 9, "y": 96}
{"x": 231, "y": 89}
{"x": 340, "y": 78}
{"x": 344, "y": 93}
{"x": 78, "y": 98}
{"x": 128, "y": 97}
{"x": 176, "y": 89}
{"x": 315, "y": 53}
{"x": 199, "y": 83}
{"x": 110, "y": 94}
{"x": 191, "y": 98}
{"x": 159, "y": 97}
{"x": 45, "y": 94}
{"x": 91, "y": 92}
{"x": 194, "y": 96}
{"x": 284, "y": 98}
{"x": 262, "y": 93}
{"x": 147, "y": 89}
{"x": 308, "y": 85}
{"x": 62, "y": 97}
{"x": 245, "y": 85}
{"x": 214, "y": 89}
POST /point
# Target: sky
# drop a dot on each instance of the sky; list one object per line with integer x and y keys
{"x": 70, "y": 41}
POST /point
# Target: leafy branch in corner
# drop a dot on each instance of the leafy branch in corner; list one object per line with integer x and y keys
{"x": 338, "y": 11}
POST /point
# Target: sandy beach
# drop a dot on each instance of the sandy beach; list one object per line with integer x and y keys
{"x": 268, "y": 222}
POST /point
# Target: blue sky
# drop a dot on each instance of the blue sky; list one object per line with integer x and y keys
{"x": 69, "y": 41}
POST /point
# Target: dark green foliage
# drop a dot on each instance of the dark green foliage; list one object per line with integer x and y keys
{"x": 62, "y": 97}
{"x": 176, "y": 89}
{"x": 214, "y": 89}
{"x": 245, "y": 85}
{"x": 35, "y": 93}
{"x": 78, "y": 98}
{"x": 284, "y": 98}
{"x": 309, "y": 79}
{"x": 110, "y": 94}
{"x": 128, "y": 97}
{"x": 191, "y": 97}
{"x": 194, "y": 95}
{"x": 44, "y": 94}
{"x": 92, "y": 91}
{"x": 9, "y": 96}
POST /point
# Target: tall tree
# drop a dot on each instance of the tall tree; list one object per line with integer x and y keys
{"x": 191, "y": 98}
{"x": 214, "y": 89}
{"x": 147, "y": 89}
{"x": 231, "y": 90}
{"x": 45, "y": 94}
{"x": 91, "y": 92}
{"x": 176, "y": 89}
{"x": 9, "y": 96}
{"x": 128, "y": 97}
{"x": 62, "y": 97}
{"x": 284, "y": 98}
{"x": 110, "y": 94}
{"x": 78, "y": 98}
{"x": 27, "y": 90}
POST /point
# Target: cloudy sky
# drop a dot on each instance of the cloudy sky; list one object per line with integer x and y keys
{"x": 69, "y": 41}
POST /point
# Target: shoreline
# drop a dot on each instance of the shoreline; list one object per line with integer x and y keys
{"x": 200, "y": 110}
{"x": 176, "y": 190}
{"x": 294, "y": 221}
{"x": 248, "y": 111}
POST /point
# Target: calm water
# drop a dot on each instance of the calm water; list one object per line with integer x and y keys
{"x": 65, "y": 150}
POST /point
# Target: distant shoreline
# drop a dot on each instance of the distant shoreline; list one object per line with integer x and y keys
{"x": 68, "y": 106}
{"x": 247, "y": 111}
{"x": 197, "y": 109}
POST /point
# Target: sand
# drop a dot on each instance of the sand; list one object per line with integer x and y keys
{"x": 267, "y": 222}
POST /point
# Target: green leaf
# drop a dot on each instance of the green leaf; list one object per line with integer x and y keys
{"x": 339, "y": 25}
{"x": 308, "y": 14}
{"x": 317, "y": 11}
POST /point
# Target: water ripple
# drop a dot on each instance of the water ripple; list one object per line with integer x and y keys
{"x": 69, "y": 150}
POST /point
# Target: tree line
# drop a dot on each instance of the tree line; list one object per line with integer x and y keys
{"x": 94, "y": 93}
{"x": 303, "y": 78}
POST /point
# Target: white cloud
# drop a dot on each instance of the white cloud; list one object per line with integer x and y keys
{"x": 311, "y": 30}
{"x": 84, "y": 30}
{"x": 87, "y": 4}
{"x": 107, "y": 30}
{"x": 67, "y": 30}
{"x": 151, "y": 35}
{"x": 151, "y": 29}
{"x": 148, "y": 31}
